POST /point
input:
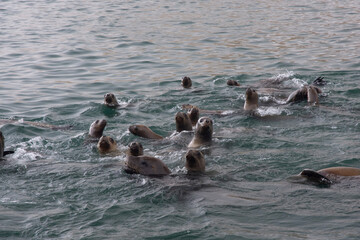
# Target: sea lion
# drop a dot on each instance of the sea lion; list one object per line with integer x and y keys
{"x": 251, "y": 100}
{"x": 327, "y": 176}
{"x": 106, "y": 145}
{"x": 144, "y": 131}
{"x": 194, "y": 115}
{"x": 232, "y": 83}
{"x": 136, "y": 162}
{"x": 203, "y": 133}
{"x": 97, "y": 128}
{"x": 194, "y": 161}
{"x": 2, "y": 146}
{"x": 183, "y": 122}
{"x": 304, "y": 94}
{"x": 110, "y": 100}
{"x": 186, "y": 82}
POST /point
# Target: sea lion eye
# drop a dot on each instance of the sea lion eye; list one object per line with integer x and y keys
{"x": 97, "y": 121}
{"x": 111, "y": 140}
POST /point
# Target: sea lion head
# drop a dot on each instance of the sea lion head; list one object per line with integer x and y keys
{"x": 97, "y": 128}
{"x": 251, "y": 99}
{"x": 110, "y": 100}
{"x": 183, "y": 122}
{"x": 194, "y": 115}
{"x": 106, "y": 144}
{"x": 136, "y": 149}
{"x": 204, "y": 129}
{"x": 186, "y": 82}
{"x": 231, "y": 82}
{"x": 194, "y": 161}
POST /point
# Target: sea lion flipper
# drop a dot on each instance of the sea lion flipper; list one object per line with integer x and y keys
{"x": 8, "y": 152}
{"x": 316, "y": 177}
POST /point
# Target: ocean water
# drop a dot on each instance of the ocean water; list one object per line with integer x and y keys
{"x": 59, "y": 58}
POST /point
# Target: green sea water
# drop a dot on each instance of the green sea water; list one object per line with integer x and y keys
{"x": 59, "y": 58}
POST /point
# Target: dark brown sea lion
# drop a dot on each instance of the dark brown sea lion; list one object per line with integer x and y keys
{"x": 232, "y": 83}
{"x": 136, "y": 162}
{"x": 328, "y": 176}
{"x": 251, "y": 100}
{"x": 203, "y": 133}
{"x": 97, "y": 128}
{"x": 2, "y": 147}
{"x": 194, "y": 161}
{"x": 194, "y": 115}
{"x": 186, "y": 82}
{"x": 183, "y": 122}
{"x": 144, "y": 131}
{"x": 110, "y": 100}
{"x": 106, "y": 145}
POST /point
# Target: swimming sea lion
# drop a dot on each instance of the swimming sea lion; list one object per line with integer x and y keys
{"x": 194, "y": 115}
{"x": 327, "y": 176}
{"x": 203, "y": 133}
{"x": 302, "y": 94}
{"x": 232, "y": 83}
{"x": 186, "y": 82}
{"x": 2, "y": 146}
{"x": 106, "y": 144}
{"x": 136, "y": 162}
{"x": 183, "y": 122}
{"x": 97, "y": 128}
{"x": 144, "y": 131}
{"x": 110, "y": 100}
{"x": 194, "y": 161}
{"x": 251, "y": 100}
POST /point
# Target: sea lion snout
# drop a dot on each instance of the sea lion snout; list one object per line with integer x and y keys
{"x": 104, "y": 144}
{"x": 136, "y": 149}
{"x": 205, "y": 122}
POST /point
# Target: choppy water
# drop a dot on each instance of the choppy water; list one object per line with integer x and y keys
{"x": 58, "y": 59}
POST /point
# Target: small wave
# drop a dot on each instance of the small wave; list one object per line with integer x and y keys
{"x": 272, "y": 111}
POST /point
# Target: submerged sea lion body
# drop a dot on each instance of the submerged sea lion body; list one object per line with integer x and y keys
{"x": 110, "y": 100}
{"x": 186, "y": 82}
{"x": 136, "y": 162}
{"x": 251, "y": 100}
{"x": 203, "y": 133}
{"x": 194, "y": 161}
{"x": 144, "y": 131}
{"x": 327, "y": 176}
{"x": 97, "y": 128}
{"x": 183, "y": 122}
{"x": 106, "y": 145}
